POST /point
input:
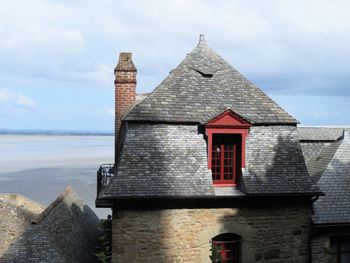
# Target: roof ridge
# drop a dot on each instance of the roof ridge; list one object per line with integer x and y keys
{"x": 53, "y": 205}
{"x": 13, "y": 198}
{"x": 202, "y": 40}
{"x": 346, "y": 135}
{"x": 337, "y": 147}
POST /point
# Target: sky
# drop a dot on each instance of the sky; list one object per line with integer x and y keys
{"x": 57, "y": 56}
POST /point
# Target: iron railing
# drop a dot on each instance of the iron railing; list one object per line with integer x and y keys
{"x": 104, "y": 176}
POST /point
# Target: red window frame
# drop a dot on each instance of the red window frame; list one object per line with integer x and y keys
{"x": 227, "y": 251}
{"x": 225, "y": 158}
{"x": 227, "y": 248}
{"x": 227, "y": 123}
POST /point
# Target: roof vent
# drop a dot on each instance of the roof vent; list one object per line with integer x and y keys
{"x": 345, "y": 135}
{"x": 206, "y": 75}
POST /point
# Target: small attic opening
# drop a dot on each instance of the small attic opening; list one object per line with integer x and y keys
{"x": 205, "y": 75}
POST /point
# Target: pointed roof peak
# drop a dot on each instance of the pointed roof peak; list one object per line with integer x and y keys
{"x": 202, "y": 44}
{"x": 201, "y": 82}
{"x": 202, "y": 40}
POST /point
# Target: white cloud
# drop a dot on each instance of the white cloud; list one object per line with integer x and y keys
{"x": 75, "y": 40}
{"x": 110, "y": 111}
{"x": 283, "y": 48}
{"x": 37, "y": 27}
{"x": 99, "y": 73}
{"x": 25, "y": 101}
{"x": 5, "y": 95}
{"x": 13, "y": 98}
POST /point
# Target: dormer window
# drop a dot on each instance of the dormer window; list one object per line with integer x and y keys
{"x": 226, "y": 147}
{"x": 226, "y": 158}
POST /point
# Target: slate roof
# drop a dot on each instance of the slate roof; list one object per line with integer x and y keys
{"x": 318, "y": 160}
{"x": 326, "y": 134}
{"x": 200, "y": 84}
{"x": 171, "y": 160}
{"x": 16, "y": 212}
{"x": 275, "y": 163}
{"x": 319, "y": 144}
{"x": 164, "y": 150}
{"x": 162, "y": 160}
{"x": 335, "y": 183}
{"x": 33, "y": 246}
{"x": 66, "y": 231}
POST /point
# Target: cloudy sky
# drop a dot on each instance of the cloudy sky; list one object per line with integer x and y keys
{"x": 57, "y": 56}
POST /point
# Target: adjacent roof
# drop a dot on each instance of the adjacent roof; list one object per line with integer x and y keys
{"x": 321, "y": 134}
{"x": 327, "y": 154}
{"x": 318, "y": 156}
{"x": 199, "y": 85}
{"x": 335, "y": 183}
{"x": 171, "y": 160}
{"x": 319, "y": 144}
{"x": 16, "y": 212}
{"x": 66, "y": 231}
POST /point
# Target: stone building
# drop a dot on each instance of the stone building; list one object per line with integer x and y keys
{"x": 209, "y": 168}
{"x": 65, "y": 231}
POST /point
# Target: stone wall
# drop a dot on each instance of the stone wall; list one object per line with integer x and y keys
{"x": 321, "y": 252}
{"x": 269, "y": 233}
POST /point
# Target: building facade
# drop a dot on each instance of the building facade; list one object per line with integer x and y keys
{"x": 208, "y": 169}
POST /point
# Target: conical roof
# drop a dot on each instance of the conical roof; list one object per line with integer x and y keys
{"x": 202, "y": 83}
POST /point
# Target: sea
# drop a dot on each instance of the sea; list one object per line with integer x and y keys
{"x": 41, "y": 164}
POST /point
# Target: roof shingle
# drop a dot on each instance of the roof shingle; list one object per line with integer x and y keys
{"x": 200, "y": 84}
{"x": 171, "y": 160}
{"x": 335, "y": 183}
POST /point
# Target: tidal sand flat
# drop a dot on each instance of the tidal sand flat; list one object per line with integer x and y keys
{"x": 41, "y": 166}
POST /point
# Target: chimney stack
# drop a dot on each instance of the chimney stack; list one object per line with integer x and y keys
{"x": 125, "y": 93}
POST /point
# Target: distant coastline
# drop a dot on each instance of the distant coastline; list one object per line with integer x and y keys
{"x": 53, "y": 132}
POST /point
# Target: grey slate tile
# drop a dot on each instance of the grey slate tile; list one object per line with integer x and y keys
{"x": 171, "y": 160}
{"x": 335, "y": 183}
{"x": 320, "y": 133}
{"x": 274, "y": 162}
{"x": 162, "y": 160}
{"x": 188, "y": 90}
{"x": 161, "y": 157}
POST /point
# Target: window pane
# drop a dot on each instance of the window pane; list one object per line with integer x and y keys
{"x": 225, "y": 157}
{"x": 345, "y": 258}
{"x": 229, "y": 245}
{"x": 345, "y": 244}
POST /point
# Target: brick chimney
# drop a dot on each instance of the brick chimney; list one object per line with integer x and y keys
{"x": 125, "y": 93}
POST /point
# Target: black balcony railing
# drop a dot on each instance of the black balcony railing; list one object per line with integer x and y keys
{"x": 104, "y": 176}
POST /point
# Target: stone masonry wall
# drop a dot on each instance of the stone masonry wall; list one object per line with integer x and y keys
{"x": 269, "y": 234}
{"x": 321, "y": 252}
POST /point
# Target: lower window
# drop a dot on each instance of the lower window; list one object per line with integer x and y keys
{"x": 226, "y": 248}
{"x": 340, "y": 249}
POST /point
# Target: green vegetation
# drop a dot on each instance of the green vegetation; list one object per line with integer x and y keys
{"x": 104, "y": 242}
{"x": 215, "y": 256}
